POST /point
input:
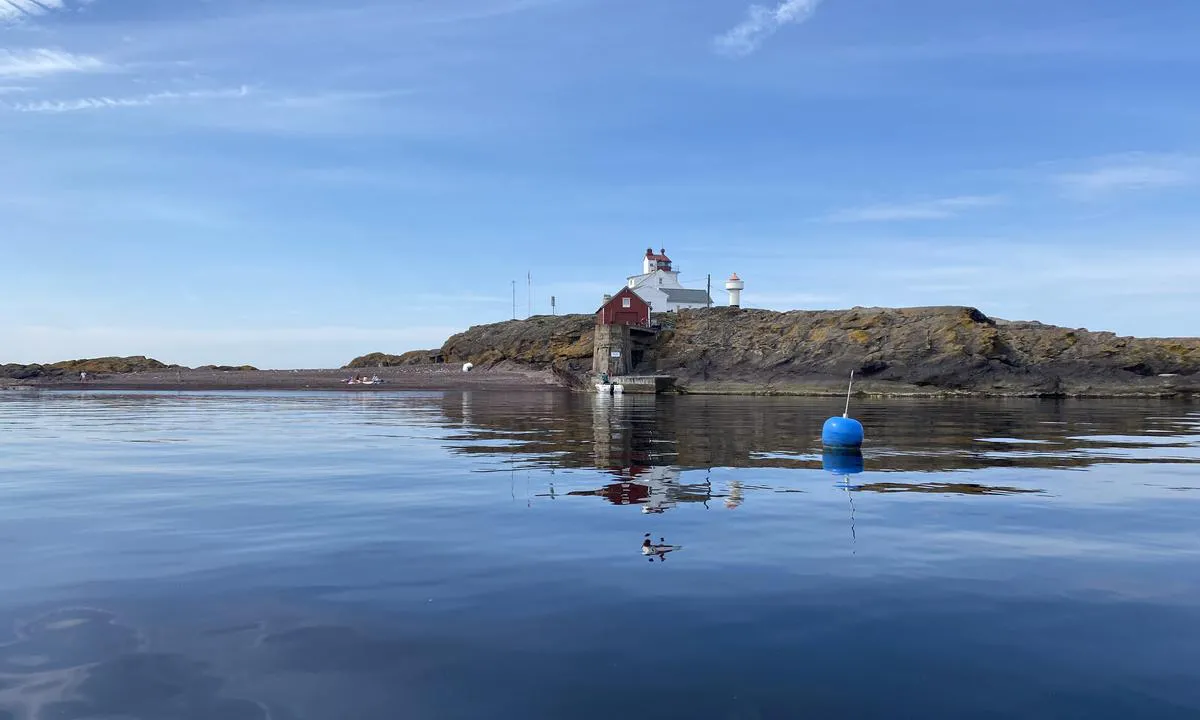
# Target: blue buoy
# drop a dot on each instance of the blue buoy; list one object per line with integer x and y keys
{"x": 841, "y": 461}
{"x": 844, "y": 431}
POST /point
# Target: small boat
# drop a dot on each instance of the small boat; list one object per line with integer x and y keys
{"x": 607, "y": 387}
{"x": 373, "y": 380}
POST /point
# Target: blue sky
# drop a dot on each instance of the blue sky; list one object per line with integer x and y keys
{"x": 291, "y": 184}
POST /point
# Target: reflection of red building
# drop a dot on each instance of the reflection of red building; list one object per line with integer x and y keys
{"x": 654, "y": 488}
{"x": 621, "y": 493}
{"x": 624, "y": 308}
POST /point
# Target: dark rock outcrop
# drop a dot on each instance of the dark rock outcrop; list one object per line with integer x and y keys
{"x": 945, "y": 349}
{"x": 115, "y": 365}
{"x": 378, "y": 359}
{"x": 12, "y": 371}
{"x": 100, "y": 367}
{"x": 543, "y": 342}
{"x": 932, "y": 350}
{"x": 92, "y": 366}
{"x": 229, "y": 368}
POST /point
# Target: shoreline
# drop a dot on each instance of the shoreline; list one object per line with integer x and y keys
{"x": 441, "y": 378}
{"x": 434, "y": 378}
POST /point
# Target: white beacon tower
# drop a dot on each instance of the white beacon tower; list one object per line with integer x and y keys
{"x": 735, "y": 286}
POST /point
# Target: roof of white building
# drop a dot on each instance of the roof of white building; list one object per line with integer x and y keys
{"x": 681, "y": 295}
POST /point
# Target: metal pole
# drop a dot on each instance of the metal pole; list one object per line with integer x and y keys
{"x": 528, "y": 294}
{"x": 514, "y": 284}
{"x": 709, "y": 303}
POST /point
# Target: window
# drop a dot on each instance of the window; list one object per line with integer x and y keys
{"x": 625, "y": 302}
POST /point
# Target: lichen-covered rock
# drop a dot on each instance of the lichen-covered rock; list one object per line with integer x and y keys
{"x": 954, "y": 349}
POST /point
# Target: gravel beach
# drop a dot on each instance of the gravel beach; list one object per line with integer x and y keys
{"x": 430, "y": 377}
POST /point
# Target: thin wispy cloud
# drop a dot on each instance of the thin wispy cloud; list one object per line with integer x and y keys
{"x": 940, "y": 209}
{"x": 1127, "y": 173}
{"x": 11, "y": 10}
{"x": 103, "y": 103}
{"x": 761, "y": 23}
{"x": 333, "y": 99}
{"x": 42, "y": 62}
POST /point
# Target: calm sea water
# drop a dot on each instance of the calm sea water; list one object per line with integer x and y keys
{"x": 479, "y": 555}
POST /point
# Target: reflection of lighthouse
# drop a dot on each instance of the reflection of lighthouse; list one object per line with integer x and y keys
{"x": 466, "y": 408}
{"x": 736, "y": 496}
{"x": 663, "y": 482}
{"x": 735, "y": 286}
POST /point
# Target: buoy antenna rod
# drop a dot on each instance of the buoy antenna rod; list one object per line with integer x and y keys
{"x": 846, "y": 414}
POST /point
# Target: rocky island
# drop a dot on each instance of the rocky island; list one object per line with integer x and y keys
{"x": 927, "y": 351}
{"x": 904, "y": 351}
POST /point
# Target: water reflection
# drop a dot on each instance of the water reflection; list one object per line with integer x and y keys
{"x": 655, "y": 489}
{"x": 934, "y": 487}
{"x": 736, "y": 496}
{"x": 456, "y": 555}
{"x": 842, "y": 462}
{"x": 661, "y": 452}
{"x": 906, "y": 435}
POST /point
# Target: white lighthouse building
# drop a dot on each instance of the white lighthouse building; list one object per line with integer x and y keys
{"x": 735, "y": 285}
{"x": 659, "y": 285}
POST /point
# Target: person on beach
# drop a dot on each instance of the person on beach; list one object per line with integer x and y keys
{"x": 83, "y": 377}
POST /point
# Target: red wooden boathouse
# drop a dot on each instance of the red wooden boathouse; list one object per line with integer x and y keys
{"x": 624, "y": 308}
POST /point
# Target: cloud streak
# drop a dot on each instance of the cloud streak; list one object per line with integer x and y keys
{"x": 939, "y": 209}
{"x": 761, "y": 23}
{"x": 11, "y": 10}
{"x": 43, "y": 62}
{"x": 104, "y": 103}
{"x": 335, "y": 99}
{"x": 1128, "y": 173}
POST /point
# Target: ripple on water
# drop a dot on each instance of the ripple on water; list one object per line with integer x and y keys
{"x": 159, "y": 686}
{"x": 119, "y": 681}
{"x": 66, "y": 639}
